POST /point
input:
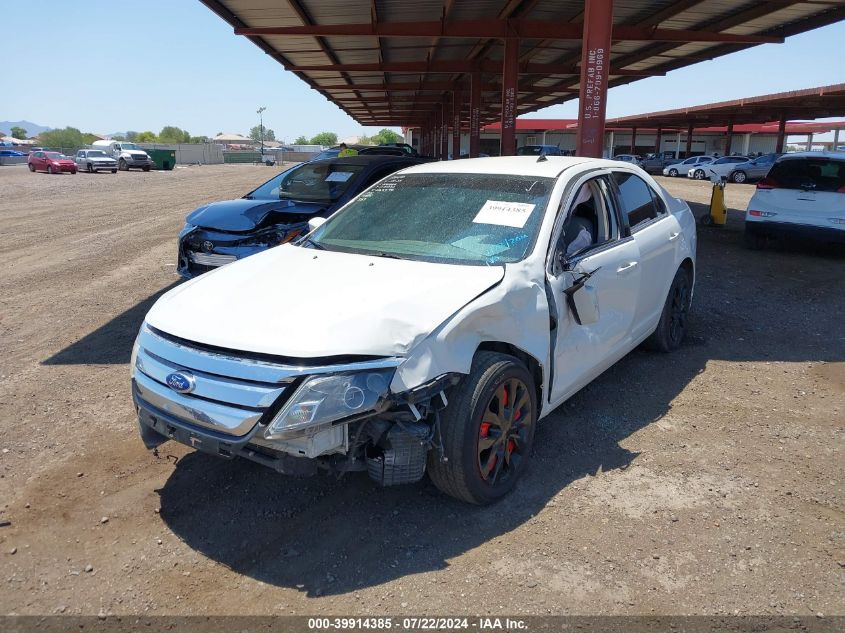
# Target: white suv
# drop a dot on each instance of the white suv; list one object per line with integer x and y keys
{"x": 426, "y": 326}
{"x": 803, "y": 196}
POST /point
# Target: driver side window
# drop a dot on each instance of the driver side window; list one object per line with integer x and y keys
{"x": 590, "y": 221}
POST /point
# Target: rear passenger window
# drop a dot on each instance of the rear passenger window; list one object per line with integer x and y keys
{"x": 638, "y": 200}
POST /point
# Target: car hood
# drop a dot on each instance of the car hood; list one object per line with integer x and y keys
{"x": 100, "y": 159}
{"x": 245, "y": 215}
{"x": 304, "y": 303}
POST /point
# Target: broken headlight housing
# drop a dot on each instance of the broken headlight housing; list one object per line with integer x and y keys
{"x": 326, "y": 399}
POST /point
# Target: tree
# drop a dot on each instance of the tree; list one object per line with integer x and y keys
{"x": 366, "y": 140}
{"x": 67, "y": 138}
{"x": 89, "y": 138}
{"x": 325, "y": 138}
{"x": 386, "y": 136}
{"x": 118, "y": 137}
{"x": 198, "y": 139}
{"x": 173, "y": 134}
{"x": 17, "y": 132}
{"x": 301, "y": 140}
{"x": 146, "y": 137}
{"x": 131, "y": 136}
{"x": 255, "y": 134}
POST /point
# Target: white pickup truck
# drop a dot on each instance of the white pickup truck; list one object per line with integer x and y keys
{"x": 128, "y": 155}
{"x": 425, "y": 327}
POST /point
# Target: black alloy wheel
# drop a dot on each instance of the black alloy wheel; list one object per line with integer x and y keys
{"x": 487, "y": 430}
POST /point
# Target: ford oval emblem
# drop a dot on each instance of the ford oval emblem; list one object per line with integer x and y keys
{"x": 181, "y": 382}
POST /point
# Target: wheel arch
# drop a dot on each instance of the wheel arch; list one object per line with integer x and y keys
{"x": 534, "y": 366}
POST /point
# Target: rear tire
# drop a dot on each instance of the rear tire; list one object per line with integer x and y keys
{"x": 486, "y": 443}
{"x": 672, "y": 327}
{"x": 31, "y": 167}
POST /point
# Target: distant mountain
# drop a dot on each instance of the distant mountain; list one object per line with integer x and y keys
{"x": 32, "y": 129}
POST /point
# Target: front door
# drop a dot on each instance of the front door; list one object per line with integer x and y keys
{"x": 591, "y": 238}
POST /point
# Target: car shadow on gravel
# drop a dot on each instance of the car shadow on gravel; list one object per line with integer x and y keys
{"x": 111, "y": 343}
{"x": 325, "y": 536}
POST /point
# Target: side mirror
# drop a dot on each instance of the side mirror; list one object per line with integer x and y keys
{"x": 583, "y": 302}
{"x": 316, "y": 223}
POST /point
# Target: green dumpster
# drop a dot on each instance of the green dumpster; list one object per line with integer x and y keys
{"x": 163, "y": 158}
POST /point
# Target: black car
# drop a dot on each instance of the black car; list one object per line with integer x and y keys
{"x": 277, "y": 211}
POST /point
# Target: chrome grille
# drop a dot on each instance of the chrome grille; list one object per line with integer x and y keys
{"x": 210, "y": 259}
{"x": 229, "y": 395}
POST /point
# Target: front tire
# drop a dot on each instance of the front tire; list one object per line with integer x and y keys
{"x": 114, "y": 171}
{"x": 739, "y": 177}
{"x": 487, "y": 430}
{"x": 699, "y": 174}
{"x": 50, "y": 170}
{"x": 672, "y": 326}
{"x": 146, "y": 168}
{"x": 122, "y": 166}
{"x": 90, "y": 168}
{"x": 673, "y": 173}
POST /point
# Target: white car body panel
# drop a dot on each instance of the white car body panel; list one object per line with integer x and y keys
{"x": 819, "y": 209}
{"x": 716, "y": 169}
{"x": 684, "y": 166}
{"x": 435, "y": 316}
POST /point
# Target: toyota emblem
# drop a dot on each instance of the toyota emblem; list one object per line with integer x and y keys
{"x": 208, "y": 246}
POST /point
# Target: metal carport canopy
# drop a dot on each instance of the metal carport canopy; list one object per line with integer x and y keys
{"x": 381, "y": 61}
{"x": 813, "y": 103}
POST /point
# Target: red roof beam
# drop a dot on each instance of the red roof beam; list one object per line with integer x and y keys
{"x": 465, "y": 66}
{"x": 504, "y": 29}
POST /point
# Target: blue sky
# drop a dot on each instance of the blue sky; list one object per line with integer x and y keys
{"x": 110, "y": 66}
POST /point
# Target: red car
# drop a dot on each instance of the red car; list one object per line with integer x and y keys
{"x": 51, "y": 162}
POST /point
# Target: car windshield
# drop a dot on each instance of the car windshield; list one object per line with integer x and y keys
{"x": 816, "y": 174}
{"x": 530, "y": 150}
{"x": 129, "y": 146}
{"x": 476, "y": 219}
{"x": 54, "y": 155}
{"x": 311, "y": 182}
{"x": 96, "y": 153}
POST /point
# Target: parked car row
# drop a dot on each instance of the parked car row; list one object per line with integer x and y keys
{"x": 104, "y": 156}
{"x": 411, "y": 316}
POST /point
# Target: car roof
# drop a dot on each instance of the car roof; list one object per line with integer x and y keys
{"x": 551, "y": 167}
{"x": 368, "y": 159}
{"x": 828, "y": 155}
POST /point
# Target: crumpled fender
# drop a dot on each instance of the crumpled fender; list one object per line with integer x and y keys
{"x": 514, "y": 311}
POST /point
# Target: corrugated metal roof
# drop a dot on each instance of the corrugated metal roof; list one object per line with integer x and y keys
{"x": 336, "y": 64}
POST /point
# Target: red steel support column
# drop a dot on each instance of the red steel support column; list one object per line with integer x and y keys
{"x": 444, "y": 133}
{"x": 729, "y": 140}
{"x": 781, "y": 133}
{"x": 657, "y": 140}
{"x": 457, "y": 107}
{"x": 633, "y": 142}
{"x": 475, "y": 115}
{"x": 595, "y": 64}
{"x": 510, "y": 77}
{"x": 689, "y": 140}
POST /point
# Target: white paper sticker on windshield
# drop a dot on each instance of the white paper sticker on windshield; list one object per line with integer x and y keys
{"x": 513, "y": 214}
{"x": 339, "y": 176}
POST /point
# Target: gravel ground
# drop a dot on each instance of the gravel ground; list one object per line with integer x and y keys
{"x": 708, "y": 481}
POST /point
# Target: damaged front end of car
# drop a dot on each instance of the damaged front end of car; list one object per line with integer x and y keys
{"x": 336, "y": 414}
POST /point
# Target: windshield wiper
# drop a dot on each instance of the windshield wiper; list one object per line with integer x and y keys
{"x": 316, "y": 245}
{"x": 386, "y": 255}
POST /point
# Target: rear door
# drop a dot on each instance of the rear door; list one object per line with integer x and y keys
{"x": 803, "y": 190}
{"x": 656, "y": 233}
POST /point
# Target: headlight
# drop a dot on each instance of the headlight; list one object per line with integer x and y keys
{"x": 324, "y": 399}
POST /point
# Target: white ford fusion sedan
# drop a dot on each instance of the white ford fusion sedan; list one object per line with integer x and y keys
{"x": 425, "y": 327}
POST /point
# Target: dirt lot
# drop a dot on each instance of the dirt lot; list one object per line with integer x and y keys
{"x": 707, "y": 481}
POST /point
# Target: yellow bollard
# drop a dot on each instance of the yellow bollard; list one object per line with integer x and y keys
{"x": 718, "y": 215}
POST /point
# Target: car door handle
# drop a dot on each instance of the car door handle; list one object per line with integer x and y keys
{"x": 674, "y": 236}
{"x": 626, "y": 268}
